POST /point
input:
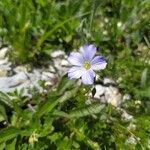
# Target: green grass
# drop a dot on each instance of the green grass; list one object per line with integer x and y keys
{"x": 61, "y": 120}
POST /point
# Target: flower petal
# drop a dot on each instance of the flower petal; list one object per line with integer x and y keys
{"x": 98, "y": 63}
{"x": 75, "y": 72}
{"x": 88, "y": 77}
{"x": 89, "y": 51}
{"x": 76, "y": 59}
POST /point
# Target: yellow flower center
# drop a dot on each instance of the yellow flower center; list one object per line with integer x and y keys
{"x": 87, "y": 65}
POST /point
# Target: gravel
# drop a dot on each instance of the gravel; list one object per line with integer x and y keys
{"x": 18, "y": 78}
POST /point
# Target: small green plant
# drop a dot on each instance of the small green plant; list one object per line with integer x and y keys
{"x": 61, "y": 119}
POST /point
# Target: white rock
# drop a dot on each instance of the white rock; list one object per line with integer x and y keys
{"x": 108, "y": 81}
{"x": 126, "y": 97}
{"x": 4, "y": 68}
{"x": 3, "y": 52}
{"x": 17, "y": 79}
{"x": 51, "y": 68}
{"x": 20, "y": 81}
{"x": 47, "y": 76}
{"x": 64, "y": 62}
{"x": 20, "y": 69}
{"x": 9, "y": 82}
{"x": 100, "y": 90}
{"x": 126, "y": 116}
{"x": 131, "y": 126}
{"x": 3, "y": 61}
{"x": 27, "y": 80}
{"x": 57, "y": 63}
{"x": 113, "y": 96}
{"x": 48, "y": 83}
{"x": 57, "y": 53}
{"x": 3, "y": 73}
{"x": 131, "y": 140}
{"x": 97, "y": 77}
{"x": 60, "y": 70}
{"x": 108, "y": 94}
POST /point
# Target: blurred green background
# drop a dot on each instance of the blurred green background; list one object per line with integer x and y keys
{"x": 121, "y": 31}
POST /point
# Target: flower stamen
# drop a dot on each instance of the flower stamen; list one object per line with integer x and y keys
{"x": 87, "y": 65}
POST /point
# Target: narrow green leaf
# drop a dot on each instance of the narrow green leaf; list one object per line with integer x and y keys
{"x": 4, "y": 98}
{"x": 60, "y": 114}
{"x": 2, "y": 146}
{"x": 48, "y": 33}
{"x": 89, "y": 110}
{"x": 49, "y": 105}
{"x": 2, "y": 113}
{"x": 8, "y": 134}
{"x": 11, "y": 144}
{"x": 144, "y": 77}
{"x": 65, "y": 85}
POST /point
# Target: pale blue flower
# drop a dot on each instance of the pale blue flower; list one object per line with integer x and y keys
{"x": 85, "y": 63}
